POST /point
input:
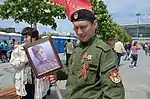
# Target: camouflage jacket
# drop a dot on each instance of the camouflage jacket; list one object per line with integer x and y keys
{"x": 93, "y": 72}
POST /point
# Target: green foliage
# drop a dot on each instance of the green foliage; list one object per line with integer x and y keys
{"x": 32, "y": 11}
{"x": 107, "y": 29}
{"x": 122, "y": 33}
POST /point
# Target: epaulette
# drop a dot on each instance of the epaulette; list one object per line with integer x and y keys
{"x": 103, "y": 46}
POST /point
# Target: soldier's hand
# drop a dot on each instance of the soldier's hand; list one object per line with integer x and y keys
{"x": 46, "y": 78}
{"x": 52, "y": 79}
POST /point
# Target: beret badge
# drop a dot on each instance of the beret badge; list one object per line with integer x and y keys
{"x": 76, "y": 16}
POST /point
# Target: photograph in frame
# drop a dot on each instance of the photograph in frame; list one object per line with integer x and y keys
{"x": 43, "y": 57}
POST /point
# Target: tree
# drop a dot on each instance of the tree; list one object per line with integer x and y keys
{"x": 106, "y": 28}
{"x": 32, "y": 12}
{"x": 122, "y": 33}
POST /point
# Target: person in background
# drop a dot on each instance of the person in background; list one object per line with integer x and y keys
{"x": 143, "y": 46}
{"x": 128, "y": 46}
{"x": 119, "y": 49}
{"x": 26, "y": 84}
{"x": 4, "y": 49}
{"x": 149, "y": 48}
{"x": 146, "y": 48}
{"x": 69, "y": 50}
{"x": 11, "y": 45}
{"x": 65, "y": 49}
{"x": 126, "y": 50}
{"x": 134, "y": 54}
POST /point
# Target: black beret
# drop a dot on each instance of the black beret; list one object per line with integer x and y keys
{"x": 82, "y": 14}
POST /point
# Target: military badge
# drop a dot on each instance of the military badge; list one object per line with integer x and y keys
{"x": 115, "y": 76}
{"x": 75, "y": 15}
{"x": 89, "y": 57}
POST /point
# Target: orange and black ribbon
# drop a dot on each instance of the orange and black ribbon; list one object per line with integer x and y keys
{"x": 83, "y": 71}
{"x": 85, "y": 55}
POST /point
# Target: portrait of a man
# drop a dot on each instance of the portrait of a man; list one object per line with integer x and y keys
{"x": 45, "y": 62}
{"x": 43, "y": 57}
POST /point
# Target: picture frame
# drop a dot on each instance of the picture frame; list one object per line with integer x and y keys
{"x": 43, "y": 57}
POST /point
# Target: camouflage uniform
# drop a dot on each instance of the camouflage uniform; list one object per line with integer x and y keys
{"x": 99, "y": 83}
{"x": 93, "y": 72}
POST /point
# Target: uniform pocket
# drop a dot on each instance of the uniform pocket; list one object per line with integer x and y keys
{"x": 91, "y": 74}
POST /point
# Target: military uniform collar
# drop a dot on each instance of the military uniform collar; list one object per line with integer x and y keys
{"x": 89, "y": 42}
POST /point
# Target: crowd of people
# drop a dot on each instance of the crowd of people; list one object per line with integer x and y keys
{"x": 6, "y": 48}
{"x": 129, "y": 50}
{"x": 146, "y": 48}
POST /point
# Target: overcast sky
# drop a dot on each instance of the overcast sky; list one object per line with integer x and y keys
{"x": 123, "y": 12}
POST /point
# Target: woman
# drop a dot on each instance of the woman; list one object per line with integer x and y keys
{"x": 134, "y": 54}
{"x": 26, "y": 84}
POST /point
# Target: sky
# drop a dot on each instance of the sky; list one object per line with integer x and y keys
{"x": 122, "y": 11}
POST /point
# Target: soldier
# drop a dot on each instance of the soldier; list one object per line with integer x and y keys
{"x": 93, "y": 72}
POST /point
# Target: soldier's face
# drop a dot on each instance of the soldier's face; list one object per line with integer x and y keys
{"x": 41, "y": 55}
{"x": 84, "y": 29}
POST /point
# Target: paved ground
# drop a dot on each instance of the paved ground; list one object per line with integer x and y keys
{"x": 136, "y": 80}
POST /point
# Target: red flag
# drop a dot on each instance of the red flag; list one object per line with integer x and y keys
{"x": 60, "y": 2}
{"x": 73, "y": 5}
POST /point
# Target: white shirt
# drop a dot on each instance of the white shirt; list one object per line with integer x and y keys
{"x": 69, "y": 47}
{"x": 119, "y": 48}
{"x": 23, "y": 75}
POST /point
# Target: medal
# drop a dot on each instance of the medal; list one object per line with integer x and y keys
{"x": 85, "y": 55}
{"x": 89, "y": 57}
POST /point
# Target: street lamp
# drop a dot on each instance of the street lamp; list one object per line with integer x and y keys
{"x": 138, "y": 19}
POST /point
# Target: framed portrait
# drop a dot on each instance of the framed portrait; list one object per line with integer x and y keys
{"x": 43, "y": 57}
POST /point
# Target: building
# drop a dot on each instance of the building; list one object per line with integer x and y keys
{"x": 10, "y": 30}
{"x": 143, "y": 33}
